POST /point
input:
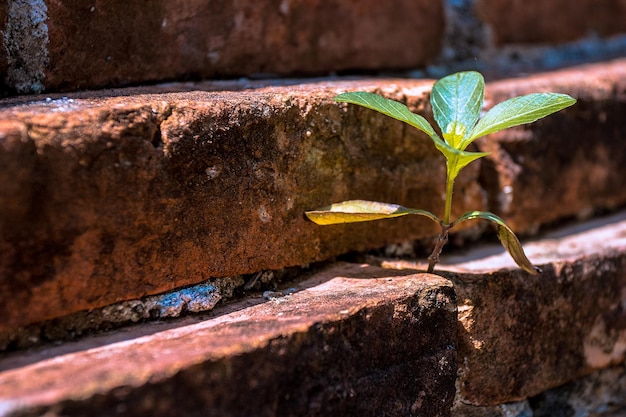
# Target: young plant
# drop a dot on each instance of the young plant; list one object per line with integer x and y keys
{"x": 457, "y": 101}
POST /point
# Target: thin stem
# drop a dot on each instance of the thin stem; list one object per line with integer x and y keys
{"x": 442, "y": 239}
{"x": 449, "y": 191}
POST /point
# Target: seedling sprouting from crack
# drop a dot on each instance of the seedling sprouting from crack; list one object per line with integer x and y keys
{"x": 457, "y": 101}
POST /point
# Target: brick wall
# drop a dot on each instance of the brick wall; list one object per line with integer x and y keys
{"x": 74, "y": 45}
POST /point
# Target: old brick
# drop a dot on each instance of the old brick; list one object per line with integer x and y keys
{"x": 113, "y": 43}
{"x": 354, "y": 341}
{"x": 123, "y": 196}
{"x": 569, "y": 164}
{"x": 133, "y": 194}
{"x": 601, "y": 393}
{"x": 4, "y": 59}
{"x": 521, "y": 335}
{"x": 515, "y": 409}
{"x": 553, "y": 21}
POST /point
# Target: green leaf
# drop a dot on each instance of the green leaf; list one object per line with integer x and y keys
{"x": 507, "y": 238}
{"x": 518, "y": 111}
{"x": 457, "y": 101}
{"x": 455, "y": 163}
{"x": 387, "y": 107}
{"x": 361, "y": 211}
{"x": 401, "y": 112}
{"x": 454, "y": 134}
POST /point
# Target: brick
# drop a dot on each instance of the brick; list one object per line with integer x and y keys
{"x": 132, "y": 193}
{"x": 601, "y": 393}
{"x": 570, "y": 164}
{"x": 521, "y": 335}
{"x": 24, "y": 47}
{"x": 119, "y": 197}
{"x": 4, "y": 59}
{"x": 353, "y": 341}
{"x": 516, "y": 409}
{"x": 553, "y": 21}
{"x": 118, "y": 43}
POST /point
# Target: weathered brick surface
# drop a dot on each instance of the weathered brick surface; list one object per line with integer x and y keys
{"x": 356, "y": 341}
{"x": 4, "y": 62}
{"x": 120, "y": 196}
{"x": 516, "y": 409}
{"x": 520, "y": 335}
{"x": 73, "y": 45}
{"x": 599, "y": 394}
{"x": 113, "y": 43}
{"x": 387, "y": 336}
{"x": 117, "y": 197}
{"x": 550, "y": 21}
{"x": 569, "y": 164}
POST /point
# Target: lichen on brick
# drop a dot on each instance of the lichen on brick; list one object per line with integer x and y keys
{"x": 201, "y": 297}
{"x": 194, "y": 299}
{"x": 26, "y": 42}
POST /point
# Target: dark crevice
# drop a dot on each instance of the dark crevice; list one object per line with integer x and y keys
{"x": 100, "y": 321}
{"x": 157, "y": 139}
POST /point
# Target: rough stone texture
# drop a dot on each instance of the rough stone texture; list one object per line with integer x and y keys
{"x": 194, "y": 299}
{"x": 552, "y": 21}
{"x": 137, "y": 192}
{"x": 95, "y": 44}
{"x": 355, "y": 341}
{"x": 4, "y": 59}
{"x": 114, "y": 198}
{"x": 599, "y": 394}
{"x": 569, "y": 164}
{"x": 520, "y": 335}
{"x": 466, "y": 36}
{"x": 25, "y": 42}
{"x": 516, "y": 409}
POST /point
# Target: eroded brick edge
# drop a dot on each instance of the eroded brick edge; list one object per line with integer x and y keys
{"x": 386, "y": 338}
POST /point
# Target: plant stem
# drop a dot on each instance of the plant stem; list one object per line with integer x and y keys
{"x": 442, "y": 239}
{"x": 448, "y": 207}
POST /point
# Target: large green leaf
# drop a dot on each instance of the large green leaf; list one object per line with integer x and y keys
{"x": 352, "y": 211}
{"x": 401, "y": 112}
{"x": 387, "y": 107}
{"x": 518, "y": 111}
{"x": 507, "y": 238}
{"x": 457, "y": 101}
